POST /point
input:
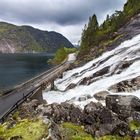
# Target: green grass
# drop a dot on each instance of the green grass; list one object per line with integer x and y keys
{"x": 134, "y": 125}
{"x": 28, "y": 130}
{"x": 36, "y": 130}
{"x": 73, "y": 132}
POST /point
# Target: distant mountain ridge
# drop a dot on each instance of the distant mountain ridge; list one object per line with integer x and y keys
{"x": 18, "y": 39}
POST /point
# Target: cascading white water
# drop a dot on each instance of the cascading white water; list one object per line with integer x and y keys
{"x": 127, "y": 51}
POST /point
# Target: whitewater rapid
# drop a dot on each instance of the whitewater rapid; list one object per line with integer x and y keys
{"x": 125, "y": 52}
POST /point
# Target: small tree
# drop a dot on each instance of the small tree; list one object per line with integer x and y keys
{"x": 60, "y": 55}
{"x": 89, "y": 34}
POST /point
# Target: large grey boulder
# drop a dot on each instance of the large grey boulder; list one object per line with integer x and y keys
{"x": 100, "y": 121}
{"x": 123, "y": 105}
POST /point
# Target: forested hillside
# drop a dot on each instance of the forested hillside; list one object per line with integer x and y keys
{"x": 97, "y": 38}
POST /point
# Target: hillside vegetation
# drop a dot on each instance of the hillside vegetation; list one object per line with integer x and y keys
{"x": 61, "y": 54}
{"x": 28, "y": 39}
{"x": 97, "y": 38}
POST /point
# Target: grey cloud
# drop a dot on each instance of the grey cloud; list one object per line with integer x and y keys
{"x": 61, "y": 12}
{"x": 65, "y": 16}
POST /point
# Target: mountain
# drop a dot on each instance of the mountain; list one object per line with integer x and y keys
{"x": 17, "y": 39}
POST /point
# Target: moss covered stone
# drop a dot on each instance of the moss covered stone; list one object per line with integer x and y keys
{"x": 134, "y": 125}
{"x": 73, "y": 132}
{"x": 25, "y": 130}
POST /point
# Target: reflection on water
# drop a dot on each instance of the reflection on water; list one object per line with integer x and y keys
{"x": 17, "y": 68}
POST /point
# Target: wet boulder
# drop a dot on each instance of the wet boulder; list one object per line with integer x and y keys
{"x": 126, "y": 86}
{"x": 84, "y": 97}
{"x": 101, "y": 95}
{"x": 101, "y": 72}
{"x": 125, "y": 64}
{"x": 71, "y": 86}
{"x": 85, "y": 81}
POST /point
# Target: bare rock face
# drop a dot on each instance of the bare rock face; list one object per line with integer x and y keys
{"x": 122, "y": 105}
{"x": 7, "y": 47}
{"x": 128, "y": 31}
{"x": 132, "y": 28}
{"x": 62, "y": 112}
{"x": 126, "y": 86}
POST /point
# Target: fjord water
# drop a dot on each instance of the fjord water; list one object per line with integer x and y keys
{"x": 17, "y": 68}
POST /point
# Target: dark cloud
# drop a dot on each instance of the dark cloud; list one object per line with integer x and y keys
{"x": 62, "y": 12}
{"x": 65, "y": 16}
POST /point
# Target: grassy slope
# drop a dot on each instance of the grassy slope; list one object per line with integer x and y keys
{"x": 25, "y": 129}
{"x": 35, "y": 129}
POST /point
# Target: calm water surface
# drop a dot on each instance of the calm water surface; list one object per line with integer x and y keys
{"x": 17, "y": 68}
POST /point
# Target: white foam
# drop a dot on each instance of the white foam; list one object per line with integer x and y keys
{"x": 127, "y": 51}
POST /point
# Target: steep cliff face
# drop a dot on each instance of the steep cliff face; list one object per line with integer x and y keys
{"x": 128, "y": 31}
{"x": 14, "y": 39}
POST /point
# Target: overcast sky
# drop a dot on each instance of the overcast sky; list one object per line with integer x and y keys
{"x": 64, "y": 16}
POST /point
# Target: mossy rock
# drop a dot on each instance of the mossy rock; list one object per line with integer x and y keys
{"x": 134, "y": 125}
{"x": 74, "y": 132}
{"x": 109, "y": 137}
{"x": 25, "y": 130}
